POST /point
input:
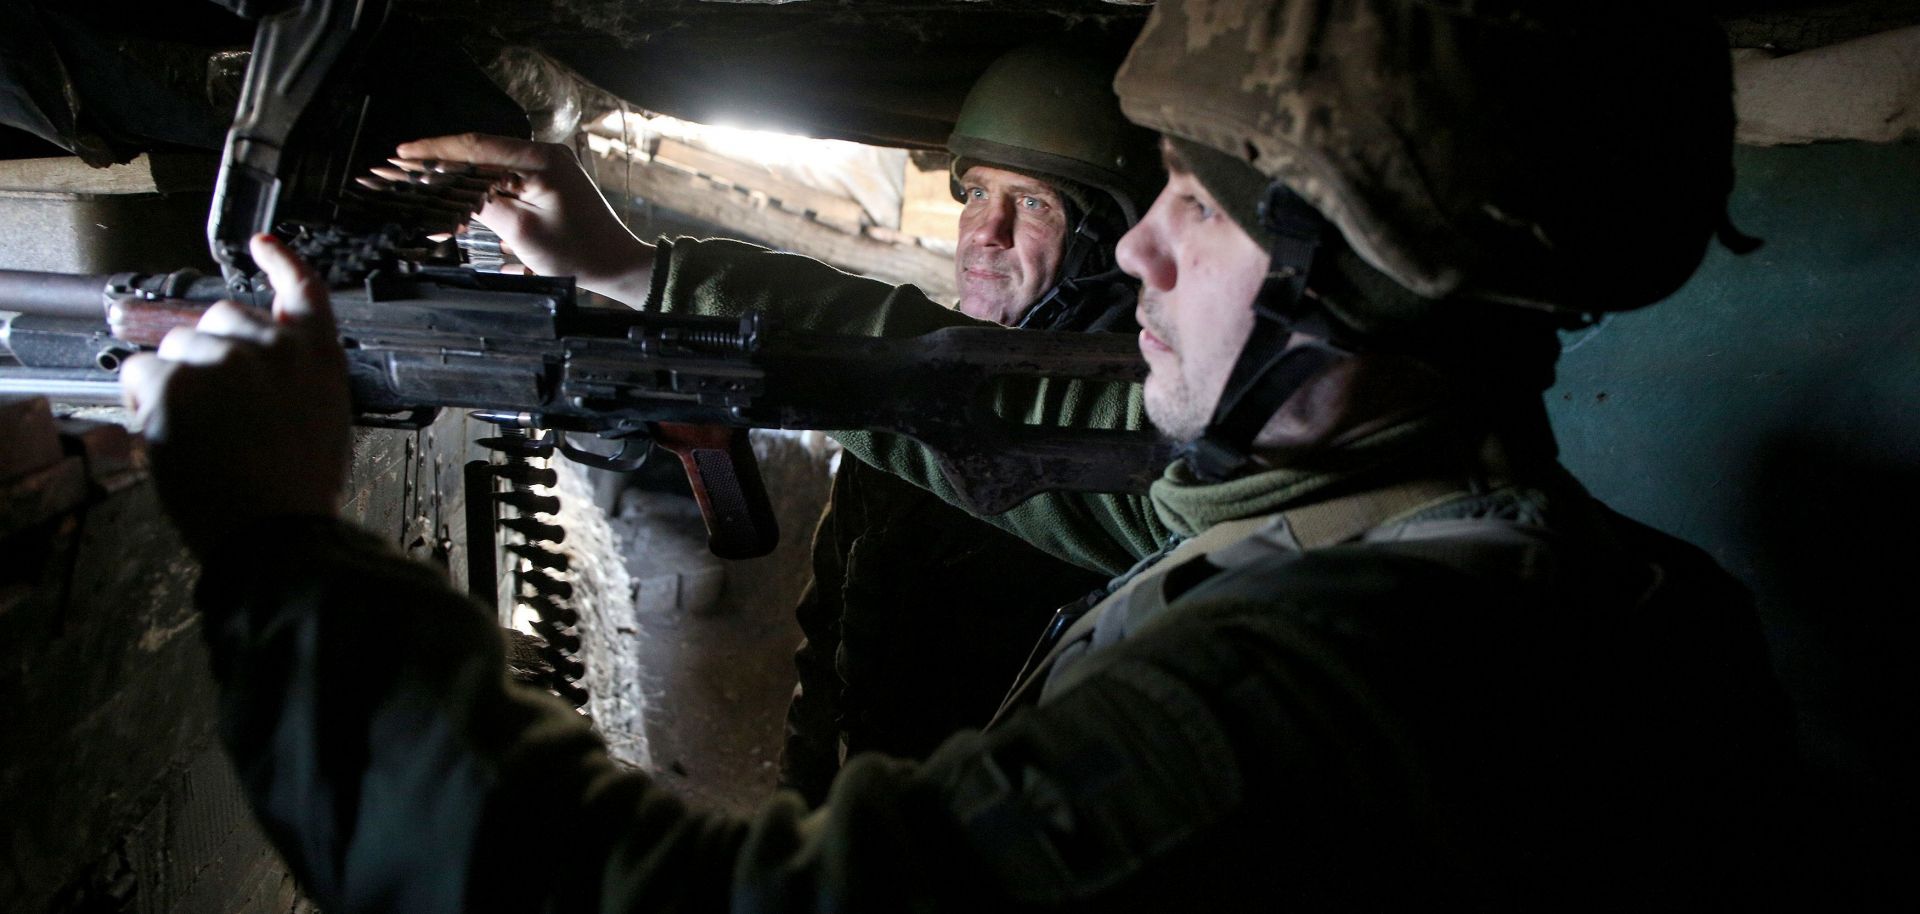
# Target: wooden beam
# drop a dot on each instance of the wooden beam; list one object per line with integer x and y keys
{"x": 843, "y": 213}
{"x": 699, "y": 198}
{"x": 928, "y": 209}
{"x": 146, "y": 174}
{"x": 1866, "y": 89}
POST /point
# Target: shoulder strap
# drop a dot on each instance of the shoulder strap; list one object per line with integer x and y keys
{"x": 1338, "y": 520}
{"x": 1231, "y": 544}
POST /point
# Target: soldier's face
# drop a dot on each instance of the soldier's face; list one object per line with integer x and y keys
{"x": 1198, "y": 273}
{"x": 1013, "y": 232}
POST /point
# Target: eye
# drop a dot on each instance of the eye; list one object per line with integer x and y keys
{"x": 974, "y": 193}
{"x": 1033, "y": 204}
{"x": 1199, "y": 206}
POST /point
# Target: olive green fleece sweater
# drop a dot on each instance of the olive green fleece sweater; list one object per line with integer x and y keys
{"x": 1106, "y": 533}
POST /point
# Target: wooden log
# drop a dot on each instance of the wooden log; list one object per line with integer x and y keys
{"x": 146, "y": 174}
{"x": 928, "y": 209}
{"x": 843, "y": 213}
{"x": 694, "y": 196}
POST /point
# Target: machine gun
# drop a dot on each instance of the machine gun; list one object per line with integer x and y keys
{"x": 303, "y": 160}
{"x": 330, "y": 87}
{"x": 523, "y": 352}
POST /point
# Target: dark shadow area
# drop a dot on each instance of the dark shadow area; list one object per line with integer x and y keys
{"x": 1839, "y": 598}
{"x": 1770, "y": 412}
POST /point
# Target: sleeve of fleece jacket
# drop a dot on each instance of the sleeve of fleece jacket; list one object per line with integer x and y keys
{"x": 1107, "y": 533}
{"x": 366, "y": 708}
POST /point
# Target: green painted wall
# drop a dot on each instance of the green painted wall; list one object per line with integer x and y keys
{"x": 1770, "y": 412}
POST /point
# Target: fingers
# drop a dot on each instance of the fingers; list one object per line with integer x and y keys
{"x": 228, "y": 319}
{"x": 192, "y": 347}
{"x": 225, "y": 331}
{"x": 299, "y": 297}
{"x": 142, "y": 377}
{"x": 482, "y": 149}
{"x": 153, "y": 389}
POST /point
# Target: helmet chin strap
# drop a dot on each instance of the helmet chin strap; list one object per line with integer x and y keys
{"x": 1057, "y": 307}
{"x": 1267, "y": 371}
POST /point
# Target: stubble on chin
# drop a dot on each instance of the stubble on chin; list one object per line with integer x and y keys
{"x": 1004, "y": 307}
{"x": 1172, "y": 408}
{"x": 1169, "y": 398}
{"x": 986, "y": 308}
{"x": 988, "y": 301}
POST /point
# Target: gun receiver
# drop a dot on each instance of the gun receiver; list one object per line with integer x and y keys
{"x": 522, "y": 351}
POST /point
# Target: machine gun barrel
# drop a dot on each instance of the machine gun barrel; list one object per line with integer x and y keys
{"x": 77, "y": 295}
{"x": 522, "y": 351}
{"x": 78, "y": 387}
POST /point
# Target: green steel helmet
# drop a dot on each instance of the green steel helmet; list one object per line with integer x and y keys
{"x": 1569, "y": 156}
{"x": 1048, "y": 110}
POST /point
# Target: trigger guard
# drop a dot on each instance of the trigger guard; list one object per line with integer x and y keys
{"x": 622, "y": 462}
{"x": 412, "y": 421}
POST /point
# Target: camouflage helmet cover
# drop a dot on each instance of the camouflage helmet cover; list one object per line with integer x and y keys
{"x": 1049, "y": 110}
{"x": 1568, "y": 156}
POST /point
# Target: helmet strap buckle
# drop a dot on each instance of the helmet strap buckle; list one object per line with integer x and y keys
{"x": 1271, "y": 367}
{"x": 1057, "y": 306}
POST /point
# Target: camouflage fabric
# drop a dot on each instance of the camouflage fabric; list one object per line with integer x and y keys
{"x": 1543, "y": 707}
{"x": 1570, "y": 156}
{"x": 1507, "y": 698}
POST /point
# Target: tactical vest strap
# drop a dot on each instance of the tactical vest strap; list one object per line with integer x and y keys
{"x": 1338, "y": 520}
{"x": 1080, "y": 627}
{"x": 1268, "y": 370}
{"x": 1229, "y": 545}
{"x": 1053, "y": 309}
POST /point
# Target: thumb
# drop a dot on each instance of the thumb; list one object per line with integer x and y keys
{"x": 299, "y": 296}
{"x": 143, "y": 381}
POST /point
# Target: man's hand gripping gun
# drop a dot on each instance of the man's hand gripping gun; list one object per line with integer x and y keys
{"x": 520, "y": 350}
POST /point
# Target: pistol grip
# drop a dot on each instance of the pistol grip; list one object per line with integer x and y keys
{"x": 726, "y": 482}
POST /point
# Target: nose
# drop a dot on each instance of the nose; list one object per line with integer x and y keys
{"x": 1142, "y": 252}
{"x": 990, "y": 223}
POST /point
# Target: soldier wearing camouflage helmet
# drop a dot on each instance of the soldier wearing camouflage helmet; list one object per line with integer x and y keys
{"x": 1368, "y": 645}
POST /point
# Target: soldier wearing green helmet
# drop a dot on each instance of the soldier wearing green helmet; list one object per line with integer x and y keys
{"x": 918, "y": 613}
{"x": 1040, "y": 255}
{"x": 1367, "y": 646}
